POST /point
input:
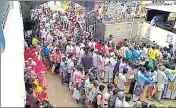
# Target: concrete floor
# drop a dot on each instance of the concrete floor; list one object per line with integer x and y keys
{"x": 60, "y": 96}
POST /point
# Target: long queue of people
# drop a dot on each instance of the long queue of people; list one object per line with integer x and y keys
{"x": 130, "y": 71}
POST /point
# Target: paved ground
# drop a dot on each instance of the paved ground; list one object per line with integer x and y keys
{"x": 60, "y": 96}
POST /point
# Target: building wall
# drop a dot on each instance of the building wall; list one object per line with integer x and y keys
{"x": 142, "y": 30}
{"x": 157, "y": 34}
{"x": 121, "y": 30}
{"x": 12, "y": 60}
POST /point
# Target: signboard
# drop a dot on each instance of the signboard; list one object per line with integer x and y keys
{"x": 169, "y": 39}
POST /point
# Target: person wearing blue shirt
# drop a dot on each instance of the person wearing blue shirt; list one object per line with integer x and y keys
{"x": 134, "y": 54}
{"x": 63, "y": 68}
{"x": 45, "y": 54}
{"x": 128, "y": 54}
{"x": 141, "y": 80}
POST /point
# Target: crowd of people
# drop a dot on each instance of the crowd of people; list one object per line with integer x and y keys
{"x": 99, "y": 73}
{"x": 120, "y": 10}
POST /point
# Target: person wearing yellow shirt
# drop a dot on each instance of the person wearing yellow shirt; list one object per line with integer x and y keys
{"x": 34, "y": 41}
{"x": 153, "y": 53}
{"x": 36, "y": 87}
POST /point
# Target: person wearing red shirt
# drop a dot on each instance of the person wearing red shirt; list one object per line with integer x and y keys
{"x": 111, "y": 49}
{"x": 98, "y": 46}
{"x": 103, "y": 50}
{"x": 122, "y": 42}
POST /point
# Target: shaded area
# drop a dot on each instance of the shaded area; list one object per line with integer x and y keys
{"x": 26, "y": 6}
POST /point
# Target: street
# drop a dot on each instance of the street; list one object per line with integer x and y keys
{"x": 59, "y": 95}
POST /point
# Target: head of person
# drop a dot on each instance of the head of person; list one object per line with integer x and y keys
{"x": 34, "y": 86}
{"x": 95, "y": 83}
{"x": 57, "y": 51}
{"x": 110, "y": 37}
{"x": 91, "y": 78}
{"x": 125, "y": 41}
{"x": 70, "y": 56}
{"x": 167, "y": 65}
{"x": 115, "y": 91}
{"x": 162, "y": 68}
{"x": 137, "y": 104}
{"x": 101, "y": 88}
{"x": 148, "y": 46}
{"x": 157, "y": 47}
{"x": 147, "y": 69}
{"x": 144, "y": 105}
{"x": 170, "y": 46}
{"x": 125, "y": 70}
{"x": 86, "y": 52}
{"x": 144, "y": 44}
{"x": 30, "y": 60}
{"x": 123, "y": 60}
{"x": 153, "y": 47}
{"x": 152, "y": 106}
{"x": 135, "y": 47}
{"x": 142, "y": 69}
{"x": 128, "y": 97}
{"x": 64, "y": 59}
{"x": 81, "y": 69}
{"x": 121, "y": 95}
{"x": 110, "y": 87}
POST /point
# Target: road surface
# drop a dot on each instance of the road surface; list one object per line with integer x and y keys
{"x": 60, "y": 96}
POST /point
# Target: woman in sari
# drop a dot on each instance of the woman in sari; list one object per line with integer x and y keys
{"x": 41, "y": 94}
{"x": 135, "y": 54}
{"x": 31, "y": 98}
{"x": 78, "y": 75}
{"x": 141, "y": 79}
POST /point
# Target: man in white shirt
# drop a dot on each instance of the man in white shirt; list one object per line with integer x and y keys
{"x": 70, "y": 64}
{"x": 77, "y": 50}
{"x": 68, "y": 48}
{"x": 119, "y": 100}
{"x": 107, "y": 94}
{"x": 87, "y": 83}
{"x": 122, "y": 79}
{"x": 112, "y": 63}
{"x": 90, "y": 44}
{"x": 95, "y": 58}
{"x": 106, "y": 69}
{"x": 126, "y": 102}
{"x": 161, "y": 81}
